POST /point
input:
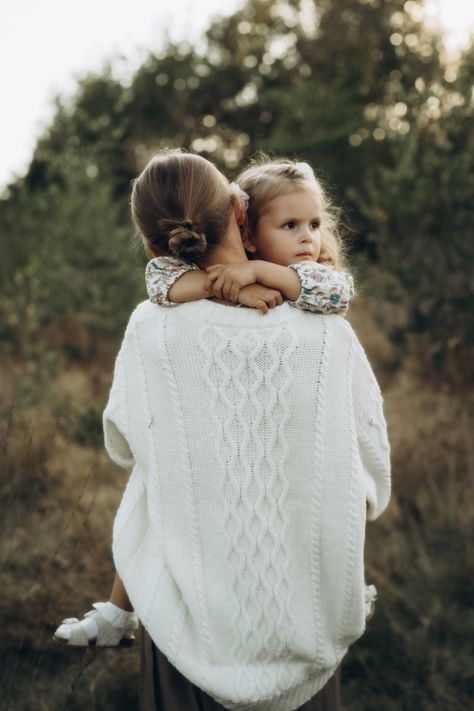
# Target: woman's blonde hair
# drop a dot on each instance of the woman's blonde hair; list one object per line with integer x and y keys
{"x": 181, "y": 205}
{"x": 268, "y": 178}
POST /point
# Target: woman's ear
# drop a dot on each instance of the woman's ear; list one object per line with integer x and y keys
{"x": 150, "y": 251}
{"x": 153, "y": 252}
{"x": 247, "y": 242}
{"x": 240, "y": 212}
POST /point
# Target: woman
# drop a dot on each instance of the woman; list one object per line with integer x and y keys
{"x": 255, "y": 443}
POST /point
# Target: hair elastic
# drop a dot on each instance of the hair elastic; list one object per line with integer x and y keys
{"x": 236, "y": 190}
{"x": 305, "y": 169}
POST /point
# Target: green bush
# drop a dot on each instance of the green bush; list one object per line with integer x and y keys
{"x": 70, "y": 261}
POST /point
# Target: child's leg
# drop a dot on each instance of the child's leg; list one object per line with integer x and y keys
{"x": 119, "y": 596}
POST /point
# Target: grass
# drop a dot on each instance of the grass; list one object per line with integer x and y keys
{"x": 417, "y": 651}
{"x": 51, "y": 513}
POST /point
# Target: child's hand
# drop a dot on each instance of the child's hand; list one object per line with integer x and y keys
{"x": 259, "y": 297}
{"x": 225, "y": 280}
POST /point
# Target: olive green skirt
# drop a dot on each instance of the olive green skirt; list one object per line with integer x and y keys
{"x": 164, "y": 688}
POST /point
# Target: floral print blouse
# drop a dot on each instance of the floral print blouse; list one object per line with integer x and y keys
{"x": 323, "y": 288}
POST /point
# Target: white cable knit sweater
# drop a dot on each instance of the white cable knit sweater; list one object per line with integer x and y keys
{"x": 254, "y": 442}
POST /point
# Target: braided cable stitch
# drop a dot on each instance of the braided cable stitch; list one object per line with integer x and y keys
{"x": 247, "y": 381}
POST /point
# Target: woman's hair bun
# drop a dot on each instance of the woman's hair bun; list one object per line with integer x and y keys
{"x": 186, "y": 241}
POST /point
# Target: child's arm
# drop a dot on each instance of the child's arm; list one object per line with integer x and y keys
{"x": 171, "y": 281}
{"x": 307, "y": 285}
{"x": 323, "y": 288}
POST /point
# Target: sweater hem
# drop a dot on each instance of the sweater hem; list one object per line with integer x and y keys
{"x": 289, "y": 700}
{"x": 292, "y": 700}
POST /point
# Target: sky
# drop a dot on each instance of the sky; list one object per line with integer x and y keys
{"x": 46, "y": 44}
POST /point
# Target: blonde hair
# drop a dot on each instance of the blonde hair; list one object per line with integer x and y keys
{"x": 268, "y": 178}
{"x": 181, "y": 204}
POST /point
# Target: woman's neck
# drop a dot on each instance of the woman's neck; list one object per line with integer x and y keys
{"x": 229, "y": 250}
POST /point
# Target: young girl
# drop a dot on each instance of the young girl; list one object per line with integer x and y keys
{"x": 289, "y": 231}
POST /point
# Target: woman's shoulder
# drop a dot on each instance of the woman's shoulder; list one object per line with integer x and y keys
{"x": 343, "y": 331}
{"x": 340, "y": 327}
{"x": 144, "y": 311}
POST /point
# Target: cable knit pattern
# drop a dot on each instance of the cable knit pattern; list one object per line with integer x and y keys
{"x": 348, "y": 583}
{"x": 317, "y": 501}
{"x": 247, "y": 380}
{"x": 191, "y": 510}
{"x": 254, "y": 442}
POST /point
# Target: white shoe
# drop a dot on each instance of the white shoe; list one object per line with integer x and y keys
{"x": 105, "y": 626}
{"x": 370, "y": 598}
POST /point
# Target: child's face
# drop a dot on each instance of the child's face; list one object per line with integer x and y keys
{"x": 288, "y": 230}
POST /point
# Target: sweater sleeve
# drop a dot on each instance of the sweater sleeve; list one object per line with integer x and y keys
{"x": 114, "y": 418}
{"x": 323, "y": 288}
{"x": 372, "y": 438}
{"x": 160, "y": 275}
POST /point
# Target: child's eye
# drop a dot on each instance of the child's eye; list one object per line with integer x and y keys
{"x": 289, "y": 225}
{"x": 315, "y": 225}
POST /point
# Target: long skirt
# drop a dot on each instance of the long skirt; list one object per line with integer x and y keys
{"x": 164, "y": 688}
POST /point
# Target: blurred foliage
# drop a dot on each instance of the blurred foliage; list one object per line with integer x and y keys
{"x": 80, "y": 422}
{"x": 418, "y": 214}
{"x": 67, "y": 260}
{"x": 356, "y": 87}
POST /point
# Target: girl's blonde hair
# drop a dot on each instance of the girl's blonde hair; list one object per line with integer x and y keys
{"x": 268, "y": 178}
{"x": 181, "y": 205}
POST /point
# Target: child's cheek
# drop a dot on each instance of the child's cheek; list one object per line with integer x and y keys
{"x": 318, "y": 246}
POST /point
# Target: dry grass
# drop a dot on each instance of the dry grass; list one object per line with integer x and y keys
{"x": 59, "y": 493}
{"x": 58, "y": 502}
{"x": 417, "y": 653}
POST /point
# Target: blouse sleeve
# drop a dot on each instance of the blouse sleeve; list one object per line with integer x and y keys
{"x": 114, "y": 418}
{"x": 372, "y": 437}
{"x": 160, "y": 275}
{"x": 323, "y": 288}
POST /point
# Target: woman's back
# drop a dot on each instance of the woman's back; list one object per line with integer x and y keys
{"x": 255, "y": 442}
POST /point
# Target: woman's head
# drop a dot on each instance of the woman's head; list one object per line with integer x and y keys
{"x": 181, "y": 205}
{"x": 289, "y": 214}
